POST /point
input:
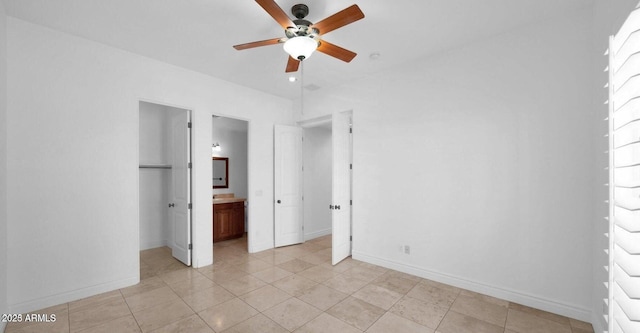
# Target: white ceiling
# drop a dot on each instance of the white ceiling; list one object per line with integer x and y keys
{"x": 199, "y": 34}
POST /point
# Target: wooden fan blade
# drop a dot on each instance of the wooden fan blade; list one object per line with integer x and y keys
{"x": 292, "y": 65}
{"x": 256, "y": 44}
{"x": 336, "y": 51}
{"x": 339, "y": 19}
{"x": 276, "y": 12}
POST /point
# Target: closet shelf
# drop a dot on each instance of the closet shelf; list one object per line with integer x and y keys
{"x": 155, "y": 166}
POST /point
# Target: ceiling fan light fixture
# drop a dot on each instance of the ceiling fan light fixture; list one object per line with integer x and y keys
{"x": 300, "y": 47}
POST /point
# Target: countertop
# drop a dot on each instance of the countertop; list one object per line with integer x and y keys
{"x": 227, "y": 200}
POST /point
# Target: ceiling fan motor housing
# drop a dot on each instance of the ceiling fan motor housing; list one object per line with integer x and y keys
{"x": 300, "y": 11}
{"x": 302, "y": 28}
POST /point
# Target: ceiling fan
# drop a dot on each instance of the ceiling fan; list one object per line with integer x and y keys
{"x": 304, "y": 37}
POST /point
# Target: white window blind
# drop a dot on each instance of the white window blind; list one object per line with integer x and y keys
{"x": 624, "y": 168}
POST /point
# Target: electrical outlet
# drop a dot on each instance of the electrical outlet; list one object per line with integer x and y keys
{"x": 407, "y": 249}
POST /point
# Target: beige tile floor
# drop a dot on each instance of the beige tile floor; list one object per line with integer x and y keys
{"x": 290, "y": 289}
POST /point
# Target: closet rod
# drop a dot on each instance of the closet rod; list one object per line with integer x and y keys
{"x": 148, "y": 166}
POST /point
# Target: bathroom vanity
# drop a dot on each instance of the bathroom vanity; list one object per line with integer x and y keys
{"x": 228, "y": 217}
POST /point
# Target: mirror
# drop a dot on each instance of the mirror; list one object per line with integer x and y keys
{"x": 220, "y": 172}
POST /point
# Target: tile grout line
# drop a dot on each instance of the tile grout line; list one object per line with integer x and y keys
{"x": 446, "y": 313}
{"x": 68, "y": 317}
{"x": 130, "y": 311}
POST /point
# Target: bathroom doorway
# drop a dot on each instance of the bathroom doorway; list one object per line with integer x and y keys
{"x": 230, "y": 165}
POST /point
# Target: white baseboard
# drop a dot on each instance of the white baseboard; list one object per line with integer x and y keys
{"x": 596, "y": 327}
{"x": 201, "y": 261}
{"x": 498, "y": 292}
{"x": 153, "y": 244}
{"x": 317, "y": 234}
{"x": 45, "y": 302}
{"x": 253, "y": 248}
{"x": 596, "y": 322}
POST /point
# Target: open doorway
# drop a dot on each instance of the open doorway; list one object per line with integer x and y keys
{"x": 327, "y": 185}
{"x": 317, "y": 177}
{"x": 229, "y": 151}
{"x": 165, "y": 179}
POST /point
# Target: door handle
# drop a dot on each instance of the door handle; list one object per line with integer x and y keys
{"x": 278, "y": 201}
{"x": 172, "y": 205}
{"x": 337, "y": 206}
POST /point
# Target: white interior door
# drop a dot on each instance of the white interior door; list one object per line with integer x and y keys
{"x": 288, "y": 218}
{"x": 180, "y": 212}
{"x": 341, "y": 188}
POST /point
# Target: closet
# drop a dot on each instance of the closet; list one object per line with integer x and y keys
{"x": 155, "y": 174}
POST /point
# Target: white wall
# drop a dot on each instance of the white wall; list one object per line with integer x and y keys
{"x": 608, "y": 18}
{"x": 3, "y": 163}
{"x": 73, "y": 174}
{"x": 154, "y": 133}
{"x": 231, "y": 134}
{"x": 317, "y": 160}
{"x": 154, "y": 199}
{"x": 480, "y": 159}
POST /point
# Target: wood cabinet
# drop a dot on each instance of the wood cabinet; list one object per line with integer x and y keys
{"x": 228, "y": 221}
